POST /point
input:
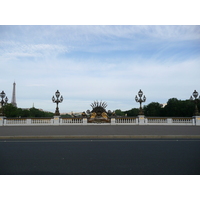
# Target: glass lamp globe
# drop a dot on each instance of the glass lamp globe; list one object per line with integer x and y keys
{"x": 195, "y": 94}
{"x": 140, "y": 93}
{"x": 57, "y": 93}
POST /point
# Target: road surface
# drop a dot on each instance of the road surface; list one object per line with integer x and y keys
{"x": 100, "y": 157}
{"x": 100, "y": 132}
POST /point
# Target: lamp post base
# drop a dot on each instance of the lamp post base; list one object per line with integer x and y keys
{"x": 141, "y": 119}
{"x": 197, "y": 120}
{"x": 2, "y": 120}
{"x": 57, "y": 114}
{"x": 56, "y": 120}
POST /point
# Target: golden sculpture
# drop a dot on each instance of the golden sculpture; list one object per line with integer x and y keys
{"x": 93, "y": 115}
{"x": 98, "y": 113}
{"x": 104, "y": 115}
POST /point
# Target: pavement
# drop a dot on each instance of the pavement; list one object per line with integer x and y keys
{"x": 99, "y": 157}
{"x": 100, "y": 132}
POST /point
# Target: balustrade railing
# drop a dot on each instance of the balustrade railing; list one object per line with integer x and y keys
{"x": 114, "y": 121}
{"x": 41, "y": 121}
{"x": 125, "y": 120}
{"x": 15, "y": 121}
{"x": 72, "y": 120}
{"x": 182, "y": 120}
{"x": 156, "y": 120}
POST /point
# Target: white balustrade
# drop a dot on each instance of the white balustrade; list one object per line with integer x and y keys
{"x": 182, "y": 120}
{"x": 114, "y": 121}
{"x": 125, "y": 120}
{"x": 40, "y": 121}
{"x": 156, "y": 120}
{"x": 15, "y": 121}
{"x": 72, "y": 121}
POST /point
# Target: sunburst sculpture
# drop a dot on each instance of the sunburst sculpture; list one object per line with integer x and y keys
{"x": 98, "y": 113}
{"x": 98, "y": 104}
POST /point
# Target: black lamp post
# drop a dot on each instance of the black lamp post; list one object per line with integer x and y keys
{"x": 195, "y": 99}
{"x": 57, "y": 101}
{"x": 3, "y": 102}
{"x": 140, "y": 100}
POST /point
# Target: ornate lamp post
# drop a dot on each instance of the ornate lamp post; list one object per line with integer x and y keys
{"x": 3, "y": 102}
{"x": 57, "y": 101}
{"x": 140, "y": 100}
{"x": 195, "y": 99}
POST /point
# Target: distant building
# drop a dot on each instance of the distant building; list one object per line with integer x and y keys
{"x": 163, "y": 105}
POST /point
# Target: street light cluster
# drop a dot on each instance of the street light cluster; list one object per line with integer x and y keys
{"x": 195, "y": 99}
{"x": 140, "y": 100}
{"x": 57, "y": 101}
{"x": 3, "y": 102}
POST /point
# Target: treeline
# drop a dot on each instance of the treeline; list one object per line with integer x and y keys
{"x": 12, "y": 111}
{"x": 174, "y": 108}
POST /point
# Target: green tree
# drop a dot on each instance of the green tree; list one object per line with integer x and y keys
{"x": 66, "y": 115}
{"x": 118, "y": 112}
{"x": 172, "y": 108}
{"x": 10, "y": 110}
{"x": 133, "y": 112}
{"x": 179, "y": 108}
{"x": 153, "y": 109}
{"x": 23, "y": 112}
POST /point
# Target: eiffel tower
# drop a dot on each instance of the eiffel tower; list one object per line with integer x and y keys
{"x": 13, "y": 102}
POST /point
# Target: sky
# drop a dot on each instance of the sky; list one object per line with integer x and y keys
{"x": 107, "y": 63}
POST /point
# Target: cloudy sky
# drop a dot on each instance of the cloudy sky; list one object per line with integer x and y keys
{"x": 108, "y": 63}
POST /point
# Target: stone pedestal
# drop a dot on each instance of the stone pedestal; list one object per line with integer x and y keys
{"x": 141, "y": 119}
{"x": 56, "y": 120}
{"x": 197, "y": 120}
{"x": 112, "y": 121}
{"x": 28, "y": 122}
{"x": 1, "y": 120}
{"x": 84, "y": 121}
{"x": 169, "y": 121}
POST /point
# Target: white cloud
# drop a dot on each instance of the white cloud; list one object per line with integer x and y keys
{"x": 12, "y": 50}
{"x": 119, "y": 83}
{"x": 122, "y": 60}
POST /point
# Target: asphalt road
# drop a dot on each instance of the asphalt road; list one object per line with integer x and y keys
{"x": 100, "y": 157}
{"x": 102, "y": 131}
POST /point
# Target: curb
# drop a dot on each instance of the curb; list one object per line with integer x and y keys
{"x": 72, "y": 137}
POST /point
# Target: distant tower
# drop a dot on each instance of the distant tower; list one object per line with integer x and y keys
{"x": 13, "y": 102}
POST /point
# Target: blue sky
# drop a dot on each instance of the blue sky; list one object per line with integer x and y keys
{"x": 108, "y": 63}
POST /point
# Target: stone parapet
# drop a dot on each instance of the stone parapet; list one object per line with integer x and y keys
{"x": 1, "y": 120}
{"x": 197, "y": 120}
{"x": 140, "y": 120}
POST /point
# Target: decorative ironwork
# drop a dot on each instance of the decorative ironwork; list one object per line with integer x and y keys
{"x": 57, "y": 101}
{"x": 3, "y": 102}
{"x": 98, "y": 104}
{"x": 98, "y": 113}
{"x": 195, "y": 99}
{"x": 140, "y": 100}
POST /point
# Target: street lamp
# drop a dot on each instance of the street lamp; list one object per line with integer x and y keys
{"x": 195, "y": 99}
{"x": 140, "y": 100}
{"x": 3, "y": 102}
{"x": 57, "y": 101}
